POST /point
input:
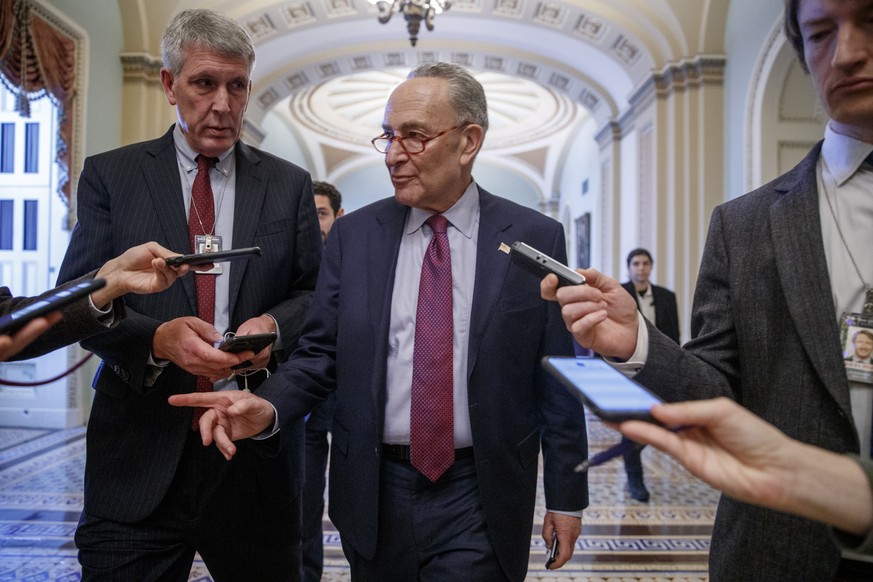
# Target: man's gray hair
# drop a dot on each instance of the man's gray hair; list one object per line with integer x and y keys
{"x": 465, "y": 93}
{"x": 206, "y": 29}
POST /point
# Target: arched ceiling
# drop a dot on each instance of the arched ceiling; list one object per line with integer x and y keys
{"x": 588, "y": 55}
{"x": 596, "y": 51}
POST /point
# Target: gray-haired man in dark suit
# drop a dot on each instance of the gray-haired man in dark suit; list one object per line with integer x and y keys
{"x": 153, "y": 494}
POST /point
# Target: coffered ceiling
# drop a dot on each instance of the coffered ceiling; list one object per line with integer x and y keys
{"x": 327, "y": 66}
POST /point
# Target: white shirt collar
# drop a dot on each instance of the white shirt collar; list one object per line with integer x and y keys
{"x": 187, "y": 155}
{"x": 462, "y": 215}
{"x": 843, "y": 154}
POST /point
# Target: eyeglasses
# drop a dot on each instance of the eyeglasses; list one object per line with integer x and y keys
{"x": 410, "y": 145}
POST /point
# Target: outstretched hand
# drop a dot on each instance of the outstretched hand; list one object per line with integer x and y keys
{"x": 724, "y": 444}
{"x": 232, "y": 415}
{"x": 601, "y": 315}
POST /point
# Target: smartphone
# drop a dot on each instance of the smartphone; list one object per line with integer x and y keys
{"x": 216, "y": 257}
{"x": 602, "y": 389}
{"x": 541, "y": 264}
{"x": 552, "y": 552}
{"x": 239, "y": 343}
{"x": 15, "y": 320}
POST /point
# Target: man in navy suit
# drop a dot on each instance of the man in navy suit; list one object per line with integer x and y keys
{"x": 153, "y": 494}
{"x": 783, "y": 268}
{"x": 329, "y": 204}
{"x": 472, "y": 521}
{"x": 658, "y": 305}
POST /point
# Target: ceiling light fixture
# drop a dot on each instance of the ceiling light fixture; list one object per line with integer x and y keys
{"x": 414, "y": 11}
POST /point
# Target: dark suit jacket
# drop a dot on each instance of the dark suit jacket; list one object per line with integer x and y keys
{"x": 77, "y": 323}
{"x": 514, "y": 407}
{"x": 765, "y": 333}
{"x": 132, "y": 195}
{"x": 666, "y": 312}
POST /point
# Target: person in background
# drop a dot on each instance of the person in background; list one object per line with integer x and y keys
{"x": 140, "y": 269}
{"x": 749, "y": 459}
{"x": 329, "y": 205}
{"x": 784, "y": 268}
{"x": 153, "y": 495}
{"x": 658, "y": 305}
{"x": 431, "y": 339}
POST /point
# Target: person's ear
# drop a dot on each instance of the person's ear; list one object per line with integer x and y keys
{"x": 471, "y": 141}
{"x": 167, "y": 81}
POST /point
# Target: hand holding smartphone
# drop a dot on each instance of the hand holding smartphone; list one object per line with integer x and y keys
{"x": 552, "y": 552}
{"x": 239, "y": 343}
{"x": 541, "y": 264}
{"x": 54, "y": 301}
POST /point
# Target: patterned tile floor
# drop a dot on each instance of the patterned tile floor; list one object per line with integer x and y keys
{"x": 622, "y": 540}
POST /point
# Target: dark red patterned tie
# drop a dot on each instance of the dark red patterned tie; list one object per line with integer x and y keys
{"x": 201, "y": 220}
{"x": 431, "y": 430}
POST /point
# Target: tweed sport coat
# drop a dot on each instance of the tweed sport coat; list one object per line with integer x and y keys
{"x": 765, "y": 333}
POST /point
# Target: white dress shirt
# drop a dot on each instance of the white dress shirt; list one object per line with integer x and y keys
{"x": 463, "y": 233}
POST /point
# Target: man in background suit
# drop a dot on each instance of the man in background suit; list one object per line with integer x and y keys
{"x": 780, "y": 267}
{"x": 140, "y": 269}
{"x": 658, "y": 305}
{"x": 400, "y": 519}
{"x": 329, "y": 205}
{"x": 153, "y": 494}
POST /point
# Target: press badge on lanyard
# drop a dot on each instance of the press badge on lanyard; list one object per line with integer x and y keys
{"x": 856, "y": 338}
{"x": 208, "y": 243}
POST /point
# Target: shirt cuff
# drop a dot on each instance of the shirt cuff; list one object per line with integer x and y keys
{"x": 270, "y": 431}
{"x": 105, "y": 317}
{"x": 632, "y": 366}
{"x": 570, "y": 513}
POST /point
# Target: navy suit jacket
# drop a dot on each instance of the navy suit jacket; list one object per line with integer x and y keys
{"x": 132, "y": 195}
{"x": 666, "y": 311}
{"x": 765, "y": 333}
{"x": 514, "y": 406}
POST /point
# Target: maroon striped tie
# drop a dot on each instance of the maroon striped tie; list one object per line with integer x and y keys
{"x": 431, "y": 430}
{"x": 201, "y": 220}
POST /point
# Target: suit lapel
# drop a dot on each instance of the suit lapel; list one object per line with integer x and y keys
{"x": 490, "y": 273}
{"x": 251, "y": 190}
{"x": 384, "y": 242}
{"x": 161, "y": 175}
{"x": 803, "y": 272}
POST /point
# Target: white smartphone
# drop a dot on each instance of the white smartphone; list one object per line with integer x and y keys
{"x": 604, "y": 390}
{"x": 541, "y": 264}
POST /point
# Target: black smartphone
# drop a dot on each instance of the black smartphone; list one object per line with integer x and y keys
{"x": 541, "y": 264}
{"x": 15, "y": 320}
{"x": 239, "y": 343}
{"x": 604, "y": 390}
{"x": 216, "y": 257}
{"x": 552, "y": 552}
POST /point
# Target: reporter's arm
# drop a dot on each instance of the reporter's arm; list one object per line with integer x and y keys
{"x": 750, "y": 460}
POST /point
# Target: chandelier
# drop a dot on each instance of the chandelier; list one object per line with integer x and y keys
{"x": 414, "y": 11}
